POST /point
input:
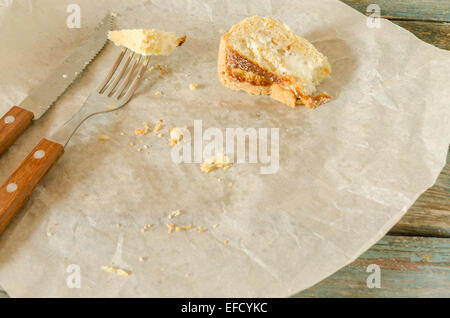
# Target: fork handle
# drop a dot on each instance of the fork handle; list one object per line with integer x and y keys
{"x": 12, "y": 125}
{"x": 15, "y": 192}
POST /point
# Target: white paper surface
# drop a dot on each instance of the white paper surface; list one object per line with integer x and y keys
{"x": 348, "y": 172}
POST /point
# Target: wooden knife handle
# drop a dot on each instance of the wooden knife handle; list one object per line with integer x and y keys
{"x": 12, "y": 125}
{"x": 22, "y": 183}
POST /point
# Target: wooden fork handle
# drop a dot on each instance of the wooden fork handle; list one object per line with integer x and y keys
{"x": 22, "y": 183}
{"x": 12, "y": 125}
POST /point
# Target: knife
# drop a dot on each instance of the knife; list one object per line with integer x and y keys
{"x": 42, "y": 97}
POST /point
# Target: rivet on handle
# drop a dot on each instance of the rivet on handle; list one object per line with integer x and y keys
{"x": 39, "y": 154}
{"x": 12, "y": 187}
{"x": 10, "y": 119}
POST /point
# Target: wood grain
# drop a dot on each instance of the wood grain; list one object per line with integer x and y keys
{"x": 430, "y": 215}
{"x": 418, "y": 10}
{"x": 410, "y": 267}
{"x": 437, "y": 34}
{"x": 22, "y": 183}
{"x": 12, "y": 125}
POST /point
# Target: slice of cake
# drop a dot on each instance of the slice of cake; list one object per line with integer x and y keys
{"x": 147, "y": 42}
{"x": 262, "y": 56}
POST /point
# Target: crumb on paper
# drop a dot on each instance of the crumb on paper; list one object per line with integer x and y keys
{"x": 111, "y": 107}
{"x": 49, "y": 233}
{"x": 226, "y": 242}
{"x": 114, "y": 14}
{"x": 104, "y": 138}
{"x": 147, "y": 147}
{"x": 230, "y": 185}
{"x": 146, "y": 228}
{"x": 215, "y": 226}
{"x": 118, "y": 225}
{"x": 201, "y": 229}
{"x": 159, "y": 135}
{"x": 177, "y": 228}
{"x": 426, "y": 258}
{"x": 176, "y": 135}
{"x": 193, "y": 86}
{"x": 163, "y": 71}
{"x": 158, "y": 93}
{"x": 175, "y": 213}
{"x": 158, "y": 128}
{"x": 214, "y": 163}
{"x": 122, "y": 134}
{"x": 142, "y": 131}
{"x": 117, "y": 271}
{"x": 142, "y": 259}
{"x": 183, "y": 228}
{"x": 83, "y": 195}
{"x": 139, "y": 150}
{"x": 170, "y": 228}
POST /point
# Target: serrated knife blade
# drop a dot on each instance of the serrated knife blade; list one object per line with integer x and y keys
{"x": 41, "y": 97}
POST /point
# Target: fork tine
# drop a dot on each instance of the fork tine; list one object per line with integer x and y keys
{"x": 137, "y": 80}
{"x": 128, "y": 78}
{"x": 119, "y": 76}
{"x": 113, "y": 70}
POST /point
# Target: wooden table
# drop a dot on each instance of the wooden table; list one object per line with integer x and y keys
{"x": 414, "y": 257}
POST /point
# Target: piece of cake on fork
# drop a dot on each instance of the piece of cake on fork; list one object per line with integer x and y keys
{"x": 262, "y": 56}
{"x": 147, "y": 42}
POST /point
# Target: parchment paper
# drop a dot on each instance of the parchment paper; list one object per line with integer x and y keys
{"x": 348, "y": 170}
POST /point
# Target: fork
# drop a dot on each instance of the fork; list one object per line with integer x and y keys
{"x": 113, "y": 93}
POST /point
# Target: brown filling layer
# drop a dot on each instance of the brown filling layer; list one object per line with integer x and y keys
{"x": 260, "y": 77}
{"x": 243, "y": 70}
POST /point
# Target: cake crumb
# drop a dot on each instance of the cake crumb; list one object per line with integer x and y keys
{"x": 193, "y": 86}
{"x": 176, "y": 135}
{"x": 132, "y": 144}
{"x": 215, "y": 226}
{"x": 104, "y": 138}
{"x": 163, "y": 71}
{"x": 214, "y": 163}
{"x": 158, "y": 93}
{"x": 175, "y": 213}
{"x": 158, "y": 128}
{"x": 230, "y": 185}
{"x": 117, "y": 271}
{"x": 226, "y": 242}
{"x": 183, "y": 228}
{"x": 118, "y": 225}
{"x": 83, "y": 195}
{"x": 143, "y": 131}
{"x": 146, "y": 228}
{"x": 111, "y": 107}
{"x": 170, "y": 228}
{"x": 142, "y": 259}
{"x": 201, "y": 229}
